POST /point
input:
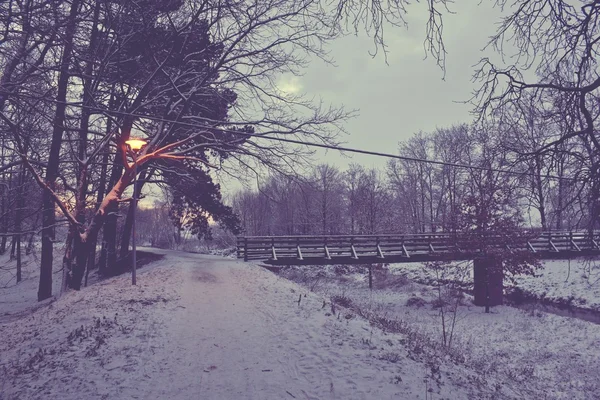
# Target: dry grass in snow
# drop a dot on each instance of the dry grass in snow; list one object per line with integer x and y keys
{"x": 524, "y": 354}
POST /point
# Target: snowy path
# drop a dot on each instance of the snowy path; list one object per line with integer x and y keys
{"x": 201, "y": 327}
{"x": 242, "y": 335}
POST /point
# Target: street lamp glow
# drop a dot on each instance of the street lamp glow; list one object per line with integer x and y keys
{"x": 135, "y": 144}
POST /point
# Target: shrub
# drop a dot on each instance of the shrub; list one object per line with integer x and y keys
{"x": 416, "y": 302}
{"x": 341, "y": 300}
{"x": 391, "y": 357}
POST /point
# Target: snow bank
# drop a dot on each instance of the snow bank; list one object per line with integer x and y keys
{"x": 82, "y": 344}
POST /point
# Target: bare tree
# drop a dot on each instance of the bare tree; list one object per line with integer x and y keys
{"x": 198, "y": 80}
{"x": 556, "y": 40}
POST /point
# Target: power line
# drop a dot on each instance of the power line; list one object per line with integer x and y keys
{"x": 294, "y": 141}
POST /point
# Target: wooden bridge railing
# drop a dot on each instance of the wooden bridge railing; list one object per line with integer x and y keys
{"x": 352, "y": 249}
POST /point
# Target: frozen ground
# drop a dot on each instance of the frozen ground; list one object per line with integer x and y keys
{"x": 530, "y": 354}
{"x": 16, "y": 299}
{"x": 205, "y": 327}
{"x": 575, "y": 282}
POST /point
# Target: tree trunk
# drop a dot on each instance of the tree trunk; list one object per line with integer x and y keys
{"x": 29, "y": 247}
{"x": 5, "y": 214}
{"x": 82, "y": 176}
{"x": 108, "y": 256}
{"x": 20, "y": 201}
{"x": 93, "y": 240}
{"x": 81, "y": 243}
{"x": 48, "y": 215}
{"x": 559, "y": 206}
{"x": 13, "y": 245}
{"x": 67, "y": 261}
{"x": 19, "y": 265}
{"x": 80, "y": 253}
{"x": 127, "y": 226}
{"x": 540, "y": 189}
{"x": 422, "y": 222}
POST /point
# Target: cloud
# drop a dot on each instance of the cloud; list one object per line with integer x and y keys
{"x": 289, "y": 85}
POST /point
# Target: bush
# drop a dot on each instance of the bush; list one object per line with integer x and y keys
{"x": 341, "y": 300}
{"x": 388, "y": 281}
{"x": 391, "y": 357}
{"x": 416, "y": 302}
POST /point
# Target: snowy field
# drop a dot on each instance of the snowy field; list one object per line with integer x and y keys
{"x": 206, "y": 327}
{"x": 530, "y": 354}
{"x": 570, "y": 282}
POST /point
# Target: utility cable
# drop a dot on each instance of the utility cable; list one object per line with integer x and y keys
{"x": 294, "y": 141}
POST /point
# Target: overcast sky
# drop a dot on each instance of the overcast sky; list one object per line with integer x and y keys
{"x": 408, "y": 94}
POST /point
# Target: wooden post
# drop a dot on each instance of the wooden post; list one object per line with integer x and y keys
{"x": 352, "y": 249}
{"x": 245, "y": 249}
{"x": 571, "y": 240}
{"x": 371, "y": 276}
{"x": 326, "y": 249}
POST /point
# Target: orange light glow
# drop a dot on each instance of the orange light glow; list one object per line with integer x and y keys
{"x": 135, "y": 144}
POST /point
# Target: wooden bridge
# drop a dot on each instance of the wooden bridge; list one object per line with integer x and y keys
{"x": 400, "y": 248}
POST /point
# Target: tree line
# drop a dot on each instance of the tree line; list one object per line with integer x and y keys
{"x": 536, "y": 111}
{"x": 468, "y": 177}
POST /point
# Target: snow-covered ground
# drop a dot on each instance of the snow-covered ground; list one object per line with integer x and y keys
{"x": 528, "y": 353}
{"x": 16, "y": 299}
{"x": 575, "y": 282}
{"x": 206, "y": 327}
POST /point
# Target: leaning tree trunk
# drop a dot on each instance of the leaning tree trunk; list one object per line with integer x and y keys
{"x": 48, "y": 216}
{"x": 81, "y": 243}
